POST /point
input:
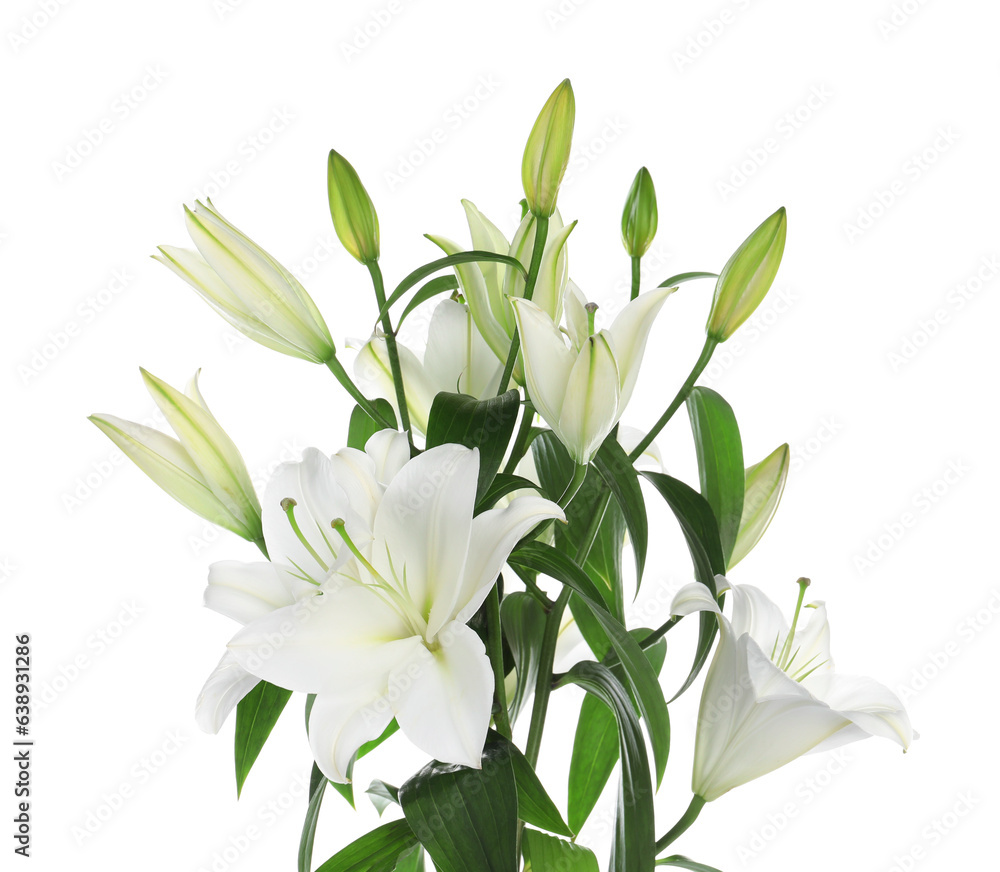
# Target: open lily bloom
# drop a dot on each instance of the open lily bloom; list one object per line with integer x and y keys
{"x": 488, "y": 286}
{"x": 582, "y": 388}
{"x": 386, "y": 634}
{"x": 457, "y": 360}
{"x": 772, "y": 695}
{"x": 302, "y": 547}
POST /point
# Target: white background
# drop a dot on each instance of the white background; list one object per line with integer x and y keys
{"x": 866, "y": 357}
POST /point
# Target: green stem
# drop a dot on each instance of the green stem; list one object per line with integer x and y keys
{"x": 521, "y": 440}
{"x": 635, "y": 276}
{"x": 337, "y": 368}
{"x": 541, "y": 231}
{"x": 543, "y": 684}
{"x": 392, "y": 350}
{"x": 682, "y": 394}
{"x": 575, "y": 483}
{"x": 496, "y": 660}
{"x": 688, "y": 818}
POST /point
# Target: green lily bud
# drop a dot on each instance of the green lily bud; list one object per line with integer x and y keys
{"x": 639, "y": 216}
{"x": 765, "y": 482}
{"x": 547, "y": 152}
{"x": 746, "y": 278}
{"x": 353, "y": 212}
{"x": 202, "y": 469}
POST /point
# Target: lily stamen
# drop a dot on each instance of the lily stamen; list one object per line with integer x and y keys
{"x": 288, "y": 507}
{"x": 783, "y": 660}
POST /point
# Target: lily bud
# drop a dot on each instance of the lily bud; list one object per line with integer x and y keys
{"x": 639, "y": 216}
{"x": 202, "y": 469}
{"x": 248, "y": 287}
{"x": 765, "y": 482}
{"x": 746, "y": 278}
{"x": 353, "y": 212}
{"x": 547, "y": 152}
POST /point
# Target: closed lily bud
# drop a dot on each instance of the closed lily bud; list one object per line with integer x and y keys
{"x": 639, "y": 216}
{"x": 547, "y": 152}
{"x": 248, "y": 287}
{"x": 746, "y": 278}
{"x": 765, "y": 482}
{"x": 202, "y": 469}
{"x": 353, "y": 212}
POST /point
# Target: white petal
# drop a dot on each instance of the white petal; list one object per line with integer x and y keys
{"x": 354, "y": 471}
{"x": 344, "y": 642}
{"x": 487, "y": 237}
{"x": 811, "y": 645}
{"x": 422, "y": 525}
{"x": 867, "y": 704}
{"x": 248, "y": 591}
{"x": 443, "y": 700}
{"x": 390, "y": 451}
{"x": 756, "y": 614}
{"x": 694, "y": 597}
{"x": 374, "y": 375}
{"x": 577, "y": 319}
{"x": 591, "y": 406}
{"x": 550, "y": 286}
{"x": 629, "y": 333}
{"x": 494, "y": 535}
{"x": 225, "y": 687}
{"x": 339, "y": 726}
{"x": 547, "y": 361}
{"x": 651, "y": 457}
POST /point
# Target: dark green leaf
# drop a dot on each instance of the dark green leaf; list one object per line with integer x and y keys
{"x": 720, "y": 461}
{"x": 483, "y": 424}
{"x": 362, "y": 427}
{"x": 523, "y": 620}
{"x": 466, "y": 818}
{"x": 434, "y": 287}
{"x": 376, "y": 851}
{"x": 702, "y": 535}
{"x": 680, "y": 278}
{"x": 317, "y": 789}
{"x": 685, "y": 863}
{"x": 544, "y": 853}
{"x": 534, "y": 805}
{"x": 634, "y": 842}
{"x": 641, "y": 677}
{"x": 501, "y": 486}
{"x": 256, "y": 716}
{"x": 617, "y": 470}
{"x": 419, "y": 274}
{"x": 382, "y": 795}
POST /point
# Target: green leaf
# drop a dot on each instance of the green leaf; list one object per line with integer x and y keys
{"x": 641, "y": 677}
{"x": 466, "y": 818}
{"x": 411, "y": 860}
{"x": 484, "y": 424}
{"x": 617, "y": 470}
{"x": 544, "y": 853}
{"x": 362, "y": 427}
{"x": 434, "y": 287}
{"x": 382, "y": 795}
{"x": 702, "y": 535}
{"x": 633, "y": 848}
{"x": 680, "y": 278}
{"x": 376, "y": 851}
{"x": 317, "y": 789}
{"x": 685, "y": 863}
{"x": 534, "y": 805}
{"x": 502, "y": 485}
{"x": 523, "y": 620}
{"x": 720, "y": 461}
{"x": 256, "y": 716}
{"x": 419, "y": 274}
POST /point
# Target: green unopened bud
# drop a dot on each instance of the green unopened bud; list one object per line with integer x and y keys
{"x": 746, "y": 278}
{"x": 639, "y": 216}
{"x": 547, "y": 152}
{"x": 353, "y": 212}
{"x": 765, "y": 482}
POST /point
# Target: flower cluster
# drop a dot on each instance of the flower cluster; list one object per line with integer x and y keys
{"x": 428, "y": 577}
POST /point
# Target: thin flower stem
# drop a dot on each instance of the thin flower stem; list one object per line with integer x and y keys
{"x": 688, "y": 818}
{"x": 678, "y": 401}
{"x": 521, "y": 440}
{"x": 393, "y": 351}
{"x": 496, "y": 661}
{"x": 541, "y": 231}
{"x": 636, "y": 272}
{"x": 575, "y": 483}
{"x": 337, "y": 368}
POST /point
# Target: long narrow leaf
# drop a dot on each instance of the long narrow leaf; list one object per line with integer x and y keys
{"x": 256, "y": 716}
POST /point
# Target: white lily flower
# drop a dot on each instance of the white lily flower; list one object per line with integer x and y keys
{"x": 457, "y": 360}
{"x": 202, "y": 469}
{"x": 302, "y": 547}
{"x": 581, "y": 389}
{"x": 772, "y": 695}
{"x": 488, "y": 287}
{"x": 248, "y": 287}
{"x": 387, "y": 636}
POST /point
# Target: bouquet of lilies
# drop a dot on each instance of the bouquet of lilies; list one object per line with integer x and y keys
{"x": 421, "y": 578}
